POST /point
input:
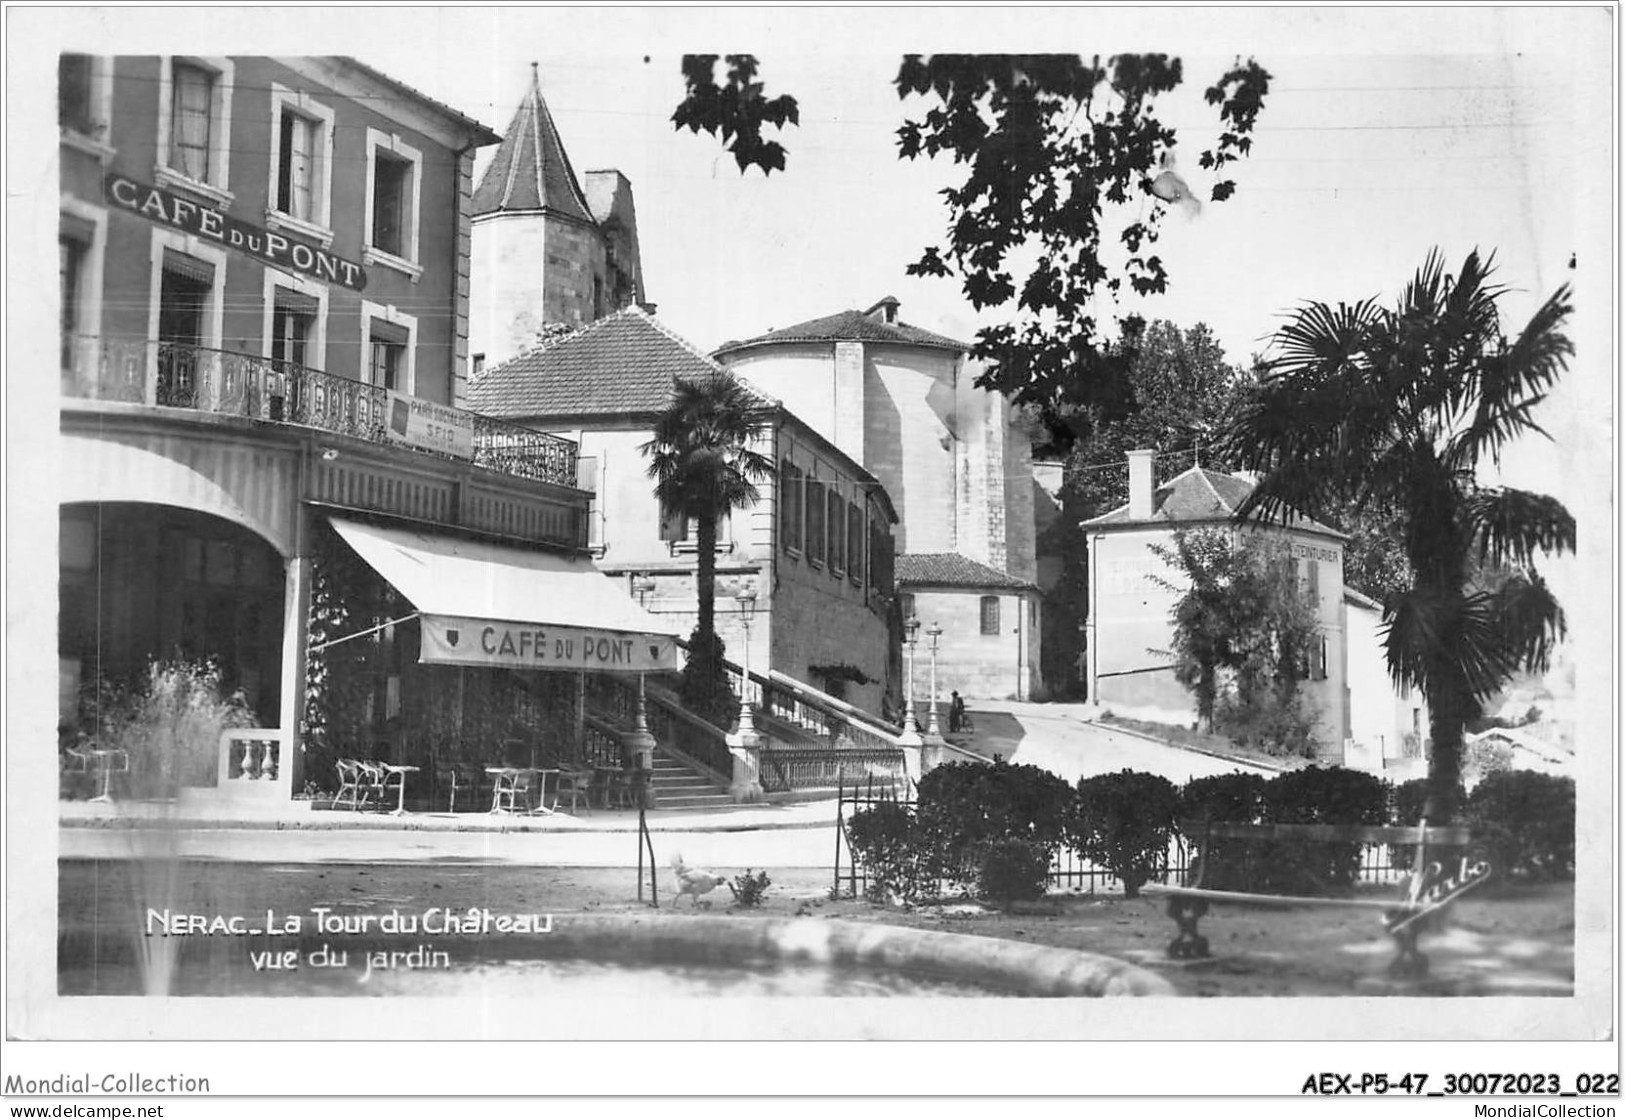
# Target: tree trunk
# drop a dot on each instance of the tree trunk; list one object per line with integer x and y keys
{"x": 705, "y": 575}
{"x": 1446, "y": 722}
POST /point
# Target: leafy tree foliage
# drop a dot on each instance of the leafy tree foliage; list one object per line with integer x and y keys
{"x": 736, "y": 111}
{"x": 704, "y": 464}
{"x": 1053, "y": 144}
{"x": 1177, "y": 394}
{"x": 1391, "y": 412}
{"x": 1243, "y": 633}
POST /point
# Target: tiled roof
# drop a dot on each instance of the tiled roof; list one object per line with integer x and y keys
{"x": 1199, "y": 495}
{"x": 848, "y": 326}
{"x": 530, "y": 170}
{"x": 480, "y": 133}
{"x": 618, "y": 365}
{"x": 949, "y": 569}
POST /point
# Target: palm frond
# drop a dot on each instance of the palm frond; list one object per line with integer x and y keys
{"x": 1511, "y": 381}
{"x": 1516, "y": 526}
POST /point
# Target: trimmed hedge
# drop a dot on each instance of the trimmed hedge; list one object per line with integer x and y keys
{"x": 1123, "y": 822}
{"x": 994, "y": 828}
{"x": 1523, "y": 822}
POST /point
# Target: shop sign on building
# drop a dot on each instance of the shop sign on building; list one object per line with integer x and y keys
{"x": 449, "y": 640}
{"x": 427, "y": 426}
{"x": 273, "y": 248}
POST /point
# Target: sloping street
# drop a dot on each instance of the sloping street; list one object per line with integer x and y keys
{"x": 1058, "y": 738}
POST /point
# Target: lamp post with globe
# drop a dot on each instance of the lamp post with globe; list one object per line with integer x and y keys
{"x": 911, "y": 725}
{"x": 745, "y": 744}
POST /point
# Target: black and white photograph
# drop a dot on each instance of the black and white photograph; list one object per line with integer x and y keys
{"x": 959, "y": 525}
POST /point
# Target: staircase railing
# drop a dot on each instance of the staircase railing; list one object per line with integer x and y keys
{"x": 686, "y": 735}
{"x": 784, "y": 770}
{"x": 600, "y": 742}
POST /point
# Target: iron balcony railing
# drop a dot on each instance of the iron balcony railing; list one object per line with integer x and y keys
{"x": 175, "y": 375}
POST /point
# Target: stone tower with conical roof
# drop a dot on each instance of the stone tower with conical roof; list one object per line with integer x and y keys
{"x": 545, "y": 251}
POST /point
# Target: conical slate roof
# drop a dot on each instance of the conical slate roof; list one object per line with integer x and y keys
{"x": 530, "y": 171}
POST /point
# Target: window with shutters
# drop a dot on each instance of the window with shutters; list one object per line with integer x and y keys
{"x": 835, "y": 520}
{"x": 990, "y": 614}
{"x": 816, "y": 539}
{"x": 301, "y": 165}
{"x": 194, "y": 128}
{"x": 854, "y": 542}
{"x": 588, "y": 477}
{"x": 394, "y": 184}
{"x": 73, "y": 251}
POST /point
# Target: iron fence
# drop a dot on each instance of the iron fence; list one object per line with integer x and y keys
{"x": 1069, "y": 872}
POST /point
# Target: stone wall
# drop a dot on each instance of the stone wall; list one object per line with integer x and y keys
{"x": 981, "y": 666}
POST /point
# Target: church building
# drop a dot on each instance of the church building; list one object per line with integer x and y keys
{"x": 902, "y": 401}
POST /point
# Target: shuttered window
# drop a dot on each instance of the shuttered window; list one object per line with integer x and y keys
{"x": 990, "y": 614}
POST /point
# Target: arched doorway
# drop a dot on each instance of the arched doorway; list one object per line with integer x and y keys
{"x": 141, "y": 583}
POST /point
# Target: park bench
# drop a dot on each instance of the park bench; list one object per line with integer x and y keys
{"x": 1227, "y": 863}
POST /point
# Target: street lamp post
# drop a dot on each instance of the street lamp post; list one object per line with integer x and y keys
{"x": 931, "y": 729}
{"x": 747, "y": 606}
{"x": 745, "y": 784}
{"x": 911, "y": 630}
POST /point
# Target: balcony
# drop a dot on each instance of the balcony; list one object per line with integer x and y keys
{"x": 172, "y": 375}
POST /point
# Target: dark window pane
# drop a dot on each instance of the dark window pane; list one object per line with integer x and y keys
{"x": 73, "y": 92}
{"x": 391, "y": 204}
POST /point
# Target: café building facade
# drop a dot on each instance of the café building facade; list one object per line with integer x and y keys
{"x": 264, "y": 270}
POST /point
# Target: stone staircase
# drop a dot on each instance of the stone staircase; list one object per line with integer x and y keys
{"x": 678, "y": 786}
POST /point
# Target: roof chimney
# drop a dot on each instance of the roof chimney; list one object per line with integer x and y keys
{"x": 1139, "y": 485}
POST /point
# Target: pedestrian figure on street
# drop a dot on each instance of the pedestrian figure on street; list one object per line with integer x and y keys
{"x": 956, "y": 712}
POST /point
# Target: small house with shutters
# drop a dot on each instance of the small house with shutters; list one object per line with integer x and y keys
{"x": 1130, "y": 664}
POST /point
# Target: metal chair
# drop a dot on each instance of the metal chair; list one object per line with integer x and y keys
{"x": 577, "y": 784}
{"x": 349, "y": 772}
{"x": 373, "y": 779}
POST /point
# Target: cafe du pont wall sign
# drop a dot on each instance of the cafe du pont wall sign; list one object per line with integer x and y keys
{"x": 289, "y": 253}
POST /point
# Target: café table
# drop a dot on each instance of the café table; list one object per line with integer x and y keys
{"x": 511, "y": 774}
{"x": 104, "y": 760}
{"x": 399, "y": 772}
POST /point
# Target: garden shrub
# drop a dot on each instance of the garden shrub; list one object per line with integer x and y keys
{"x": 1234, "y": 798}
{"x": 965, "y": 806}
{"x": 1523, "y": 822}
{"x": 884, "y": 837}
{"x": 749, "y": 888}
{"x": 1123, "y": 822}
{"x": 1012, "y": 870}
{"x": 1237, "y": 797}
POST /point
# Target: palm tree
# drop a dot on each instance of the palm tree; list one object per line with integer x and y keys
{"x": 1365, "y": 409}
{"x": 703, "y": 465}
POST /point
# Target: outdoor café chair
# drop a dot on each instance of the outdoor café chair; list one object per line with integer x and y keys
{"x": 349, "y": 771}
{"x": 577, "y": 784}
{"x": 373, "y": 780}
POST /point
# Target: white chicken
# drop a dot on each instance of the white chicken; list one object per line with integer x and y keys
{"x": 692, "y": 881}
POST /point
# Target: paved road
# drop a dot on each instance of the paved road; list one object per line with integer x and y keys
{"x": 1056, "y": 737}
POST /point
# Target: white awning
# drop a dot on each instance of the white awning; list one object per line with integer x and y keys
{"x": 494, "y": 605}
